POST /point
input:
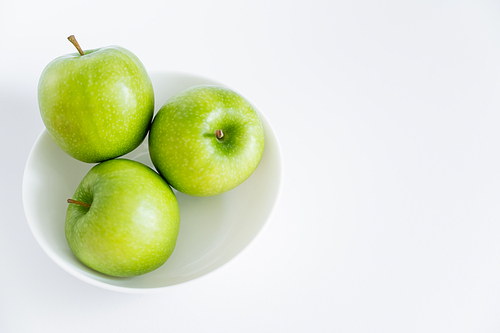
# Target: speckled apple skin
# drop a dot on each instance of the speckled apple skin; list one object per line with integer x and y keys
{"x": 132, "y": 224}
{"x": 185, "y": 151}
{"x": 97, "y": 106}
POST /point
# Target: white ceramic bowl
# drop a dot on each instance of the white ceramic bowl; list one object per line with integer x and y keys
{"x": 213, "y": 231}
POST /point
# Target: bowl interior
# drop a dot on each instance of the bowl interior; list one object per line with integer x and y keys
{"x": 213, "y": 229}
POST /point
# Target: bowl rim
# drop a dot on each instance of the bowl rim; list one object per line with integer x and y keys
{"x": 149, "y": 290}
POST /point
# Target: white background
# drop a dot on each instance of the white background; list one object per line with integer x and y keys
{"x": 388, "y": 113}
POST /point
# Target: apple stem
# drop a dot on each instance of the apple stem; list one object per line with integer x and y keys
{"x": 219, "y": 134}
{"x": 73, "y": 41}
{"x": 78, "y": 203}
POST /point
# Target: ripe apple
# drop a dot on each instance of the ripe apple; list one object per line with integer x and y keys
{"x": 206, "y": 140}
{"x": 96, "y": 104}
{"x": 123, "y": 219}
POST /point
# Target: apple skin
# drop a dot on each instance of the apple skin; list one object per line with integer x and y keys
{"x": 185, "y": 150}
{"x": 97, "y": 106}
{"x": 132, "y": 224}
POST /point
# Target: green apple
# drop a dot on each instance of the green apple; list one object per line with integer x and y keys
{"x": 96, "y": 104}
{"x": 123, "y": 219}
{"x": 206, "y": 140}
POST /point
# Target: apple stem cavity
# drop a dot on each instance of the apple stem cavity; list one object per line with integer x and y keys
{"x": 78, "y": 203}
{"x": 219, "y": 135}
{"x": 73, "y": 41}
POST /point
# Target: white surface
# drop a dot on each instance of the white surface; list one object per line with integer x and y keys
{"x": 388, "y": 117}
{"x": 213, "y": 232}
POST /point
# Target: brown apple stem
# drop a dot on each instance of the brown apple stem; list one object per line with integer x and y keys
{"x": 78, "y": 203}
{"x": 219, "y": 134}
{"x": 73, "y": 41}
